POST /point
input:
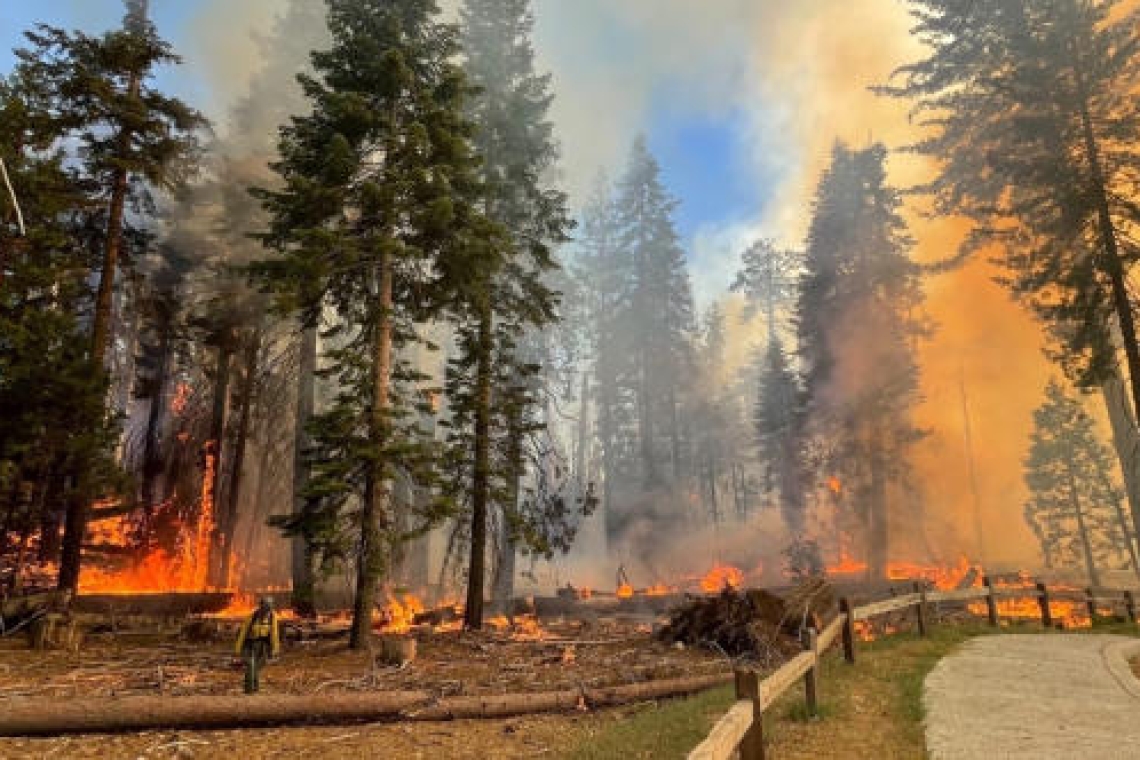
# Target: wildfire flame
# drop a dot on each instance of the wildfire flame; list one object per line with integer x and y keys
{"x": 180, "y": 399}
{"x": 398, "y": 615}
{"x": 720, "y": 577}
{"x": 625, "y": 591}
{"x": 835, "y": 485}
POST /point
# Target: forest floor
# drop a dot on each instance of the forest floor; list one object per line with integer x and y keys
{"x": 575, "y": 654}
{"x": 568, "y": 656}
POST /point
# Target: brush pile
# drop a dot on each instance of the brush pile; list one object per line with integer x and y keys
{"x": 753, "y": 623}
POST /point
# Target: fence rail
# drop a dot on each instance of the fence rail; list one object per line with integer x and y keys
{"x": 742, "y": 727}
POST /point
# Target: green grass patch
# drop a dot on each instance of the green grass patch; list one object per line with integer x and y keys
{"x": 663, "y": 729}
{"x": 871, "y": 710}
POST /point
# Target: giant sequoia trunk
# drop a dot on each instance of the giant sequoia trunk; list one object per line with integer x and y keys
{"x": 302, "y": 560}
{"x": 375, "y": 516}
{"x": 481, "y": 478}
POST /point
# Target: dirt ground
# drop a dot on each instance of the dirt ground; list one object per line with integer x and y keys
{"x": 452, "y": 663}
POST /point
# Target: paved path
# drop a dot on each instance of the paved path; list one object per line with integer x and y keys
{"x": 1067, "y": 696}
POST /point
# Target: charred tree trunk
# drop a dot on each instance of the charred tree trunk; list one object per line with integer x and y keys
{"x": 233, "y": 497}
{"x": 303, "y": 561}
{"x": 153, "y": 465}
{"x": 481, "y": 480}
{"x": 375, "y": 517}
{"x": 216, "y": 442}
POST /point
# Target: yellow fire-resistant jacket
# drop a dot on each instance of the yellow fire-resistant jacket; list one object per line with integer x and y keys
{"x": 265, "y": 628}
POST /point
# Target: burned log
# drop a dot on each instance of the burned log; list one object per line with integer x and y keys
{"x": 53, "y": 717}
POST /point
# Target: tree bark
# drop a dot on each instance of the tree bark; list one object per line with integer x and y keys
{"x": 229, "y": 517}
{"x": 1112, "y": 264}
{"x": 375, "y": 517}
{"x": 1126, "y": 441}
{"x": 152, "y": 455}
{"x": 50, "y": 717}
{"x": 218, "y": 414}
{"x": 481, "y": 480}
{"x": 303, "y": 561}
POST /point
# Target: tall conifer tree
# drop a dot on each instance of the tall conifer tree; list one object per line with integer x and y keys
{"x": 377, "y": 221}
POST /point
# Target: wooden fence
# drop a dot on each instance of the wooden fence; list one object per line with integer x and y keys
{"x": 742, "y": 727}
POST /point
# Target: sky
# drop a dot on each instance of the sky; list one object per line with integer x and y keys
{"x": 700, "y": 138}
{"x": 741, "y": 101}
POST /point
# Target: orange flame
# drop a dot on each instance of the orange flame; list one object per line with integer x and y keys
{"x": 625, "y": 591}
{"x": 720, "y": 577}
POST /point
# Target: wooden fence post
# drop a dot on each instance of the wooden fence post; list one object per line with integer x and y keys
{"x": 1130, "y": 606}
{"x": 920, "y": 608}
{"x": 991, "y": 602}
{"x": 1090, "y": 602}
{"x": 848, "y": 630}
{"x": 1043, "y": 600}
{"x": 810, "y": 640}
{"x": 748, "y": 687}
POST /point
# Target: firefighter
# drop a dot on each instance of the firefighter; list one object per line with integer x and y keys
{"x": 258, "y": 640}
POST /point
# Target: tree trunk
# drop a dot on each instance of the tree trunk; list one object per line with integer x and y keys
{"x": 877, "y": 525}
{"x": 1082, "y": 530}
{"x": 1126, "y": 441}
{"x": 375, "y": 519}
{"x": 303, "y": 561}
{"x": 481, "y": 481}
{"x": 220, "y": 399}
{"x": 645, "y": 423}
{"x": 1113, "y": 267}
{"x": 229, "y": 519}
{"x": 152, "y": 454}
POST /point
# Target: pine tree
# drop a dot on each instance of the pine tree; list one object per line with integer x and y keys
{"x": 1032, "y": 111}
{"x": 656, "y": 313}
{"x": 376, "y": 222}
{"x": 768, "y": 278}
{"x": 603, "y": 273}
{"x": 51, "y": 403}
{"x": 132, "y": 137}
{"x": 1074, "y": 506}
{"x": 857, "y": 326}
{"x": 514, "y": 138}
{"x": 777, "y": 425}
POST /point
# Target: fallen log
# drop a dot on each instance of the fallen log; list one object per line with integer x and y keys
{"x": 168, "y": 604}
{"x": 53, "y": 717}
